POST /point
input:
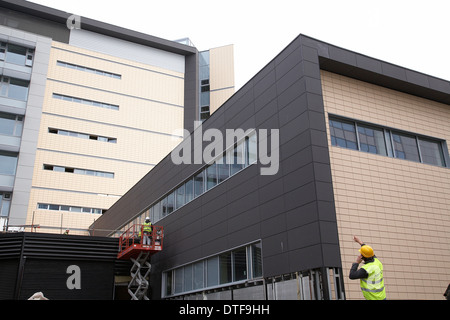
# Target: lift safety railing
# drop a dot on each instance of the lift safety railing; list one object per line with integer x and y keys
{"x": 131, "y": 242}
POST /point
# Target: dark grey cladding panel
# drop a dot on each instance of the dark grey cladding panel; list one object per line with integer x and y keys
{"x": 361, "y": 67}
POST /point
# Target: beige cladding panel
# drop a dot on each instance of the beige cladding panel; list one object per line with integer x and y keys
{"x": 150, "y": 111}
{"x": 131, "y": 145}
{"x": 137, "y": 79}
{"x": 217, "y": 98}
{"x": 399, "y": 207}
{"x": 221, "y": 67}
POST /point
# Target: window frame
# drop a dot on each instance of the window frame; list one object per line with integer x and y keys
{"x": 389, "y": 140}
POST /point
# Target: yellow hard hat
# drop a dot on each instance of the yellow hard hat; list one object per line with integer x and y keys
{"x": 366, "y": 251}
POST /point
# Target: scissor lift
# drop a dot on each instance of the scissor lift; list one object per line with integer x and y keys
{"x": 131, "y": 247}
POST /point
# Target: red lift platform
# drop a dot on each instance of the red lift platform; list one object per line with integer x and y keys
{"x": 131, "y": 242}
{"x": 133, "y": 246}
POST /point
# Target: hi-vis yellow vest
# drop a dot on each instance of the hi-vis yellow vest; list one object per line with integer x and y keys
{"x": 373, "y": 286}
{"x": 147, "y": 227}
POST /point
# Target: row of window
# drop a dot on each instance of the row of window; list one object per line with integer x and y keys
{"x": 79, "y": 171}
{"x": 224, "y": 269}
{"x": 85, "y": 101}
{"x": 16, "y": 54}
{"x": 90, "y": 70}
{"x": 14, "y": 88}
{"x": 231, "y": 162}
{"x": 11, "y": 124}
{"x": 56, "y": 207}
{"x": 81, "y": 135}
{"x": 384, "y": 141}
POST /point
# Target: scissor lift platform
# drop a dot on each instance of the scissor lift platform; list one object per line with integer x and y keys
{"x": 132, "y": 247}
{"x": 131, "y": 242}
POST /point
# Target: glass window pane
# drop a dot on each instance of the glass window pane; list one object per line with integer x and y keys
{"x": 198, "y": 275}
{"x": 4, "y": 207}
{"x": 180, "y": 196}
{"x": 189, "y": 189}
{"x": 212, "y": 271}
{"x": 237, "y": 158}
{"x": 431, "y": 152}
{"x": 225, "y": 267}
{"x": 164, "y": 207}
{"x": 16, "y": 54}
{"x": 18, "y": 89}
{"x": 7, "y": 123}
{"x": 252, "y": 149}
{"x": 188, "y": 278}
{"x": 170, "y": 202}
{"x": 178, "y": 280}
{"x": 405, "y": 147}
{"x": 8, "y": 163}
{"x": 157, "y": 211}
{"x": 53, "y": 207}
{"x": 169, "y": 276}
{"x": 343, "y": 134}
{"x": 198, "y": 183}
{"x": 211, "y": 176}
{"x": 256, "y": 260}
{"x": 240, "y": 264}
{"x": 223, "y": 169}
{"x": 371, "y": 140}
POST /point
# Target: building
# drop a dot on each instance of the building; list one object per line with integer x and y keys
{"x": 363, "y": 150}
{"x": 88, "y": 108}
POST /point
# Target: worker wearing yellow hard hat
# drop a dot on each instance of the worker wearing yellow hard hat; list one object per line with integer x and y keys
{"x": 370, "y": 274}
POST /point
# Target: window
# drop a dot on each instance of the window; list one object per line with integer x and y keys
{"x": 198, "y": 183}
{"x": 170, "y": 202}
{"x": 372, "y": 140}
{"x": 79, "y": 171}
{"x": 237, "y": 158}
{"x": 431, "y": 152}
{"x": 387, "y": 142}
{"x": 405, "y": 147}
{"x": 5, "y": 203}
{"x": 189, "y": 189}
{"x": 8, "y": 163}
{"x": 179, "y": 198}
{"x": 81, "y": 135}
{"x": 86, "y": 102}
{"x": 11, "y": 124}
{"x": 16, "y": 54}
{"x": 223, "y": 269}
{"x": 57, "y": 207}
{"x": 90, "y": 70}
{"x": 14, "y": 88}
{"x": 343, "y": 134}
{"x": 211, "y": 176}
{"x": 223, "y": 169}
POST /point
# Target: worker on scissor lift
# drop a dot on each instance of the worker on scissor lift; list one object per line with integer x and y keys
{"x": 147, "y": 230}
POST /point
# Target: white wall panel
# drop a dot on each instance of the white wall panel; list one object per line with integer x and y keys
{"x": 126, "y": 50}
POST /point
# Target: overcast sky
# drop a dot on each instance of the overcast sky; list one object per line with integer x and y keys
{"x": 410, "y": 33}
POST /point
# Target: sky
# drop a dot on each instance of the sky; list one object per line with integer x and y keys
{"x": 409, "y": 33}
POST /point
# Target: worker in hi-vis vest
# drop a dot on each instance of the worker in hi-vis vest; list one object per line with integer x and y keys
{"x": 147, "y": 231}
{"x": 370, "y": 274}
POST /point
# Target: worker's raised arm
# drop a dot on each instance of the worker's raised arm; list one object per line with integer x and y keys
{"x": 356, "y": 239}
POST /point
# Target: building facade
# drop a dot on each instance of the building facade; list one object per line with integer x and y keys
{"x": 363, "y": 150}
{"x": 89, "y": 108}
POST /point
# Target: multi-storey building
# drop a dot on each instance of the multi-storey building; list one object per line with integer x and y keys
{"x": 362, "y": 149}
{"x": 88, "y": 108}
